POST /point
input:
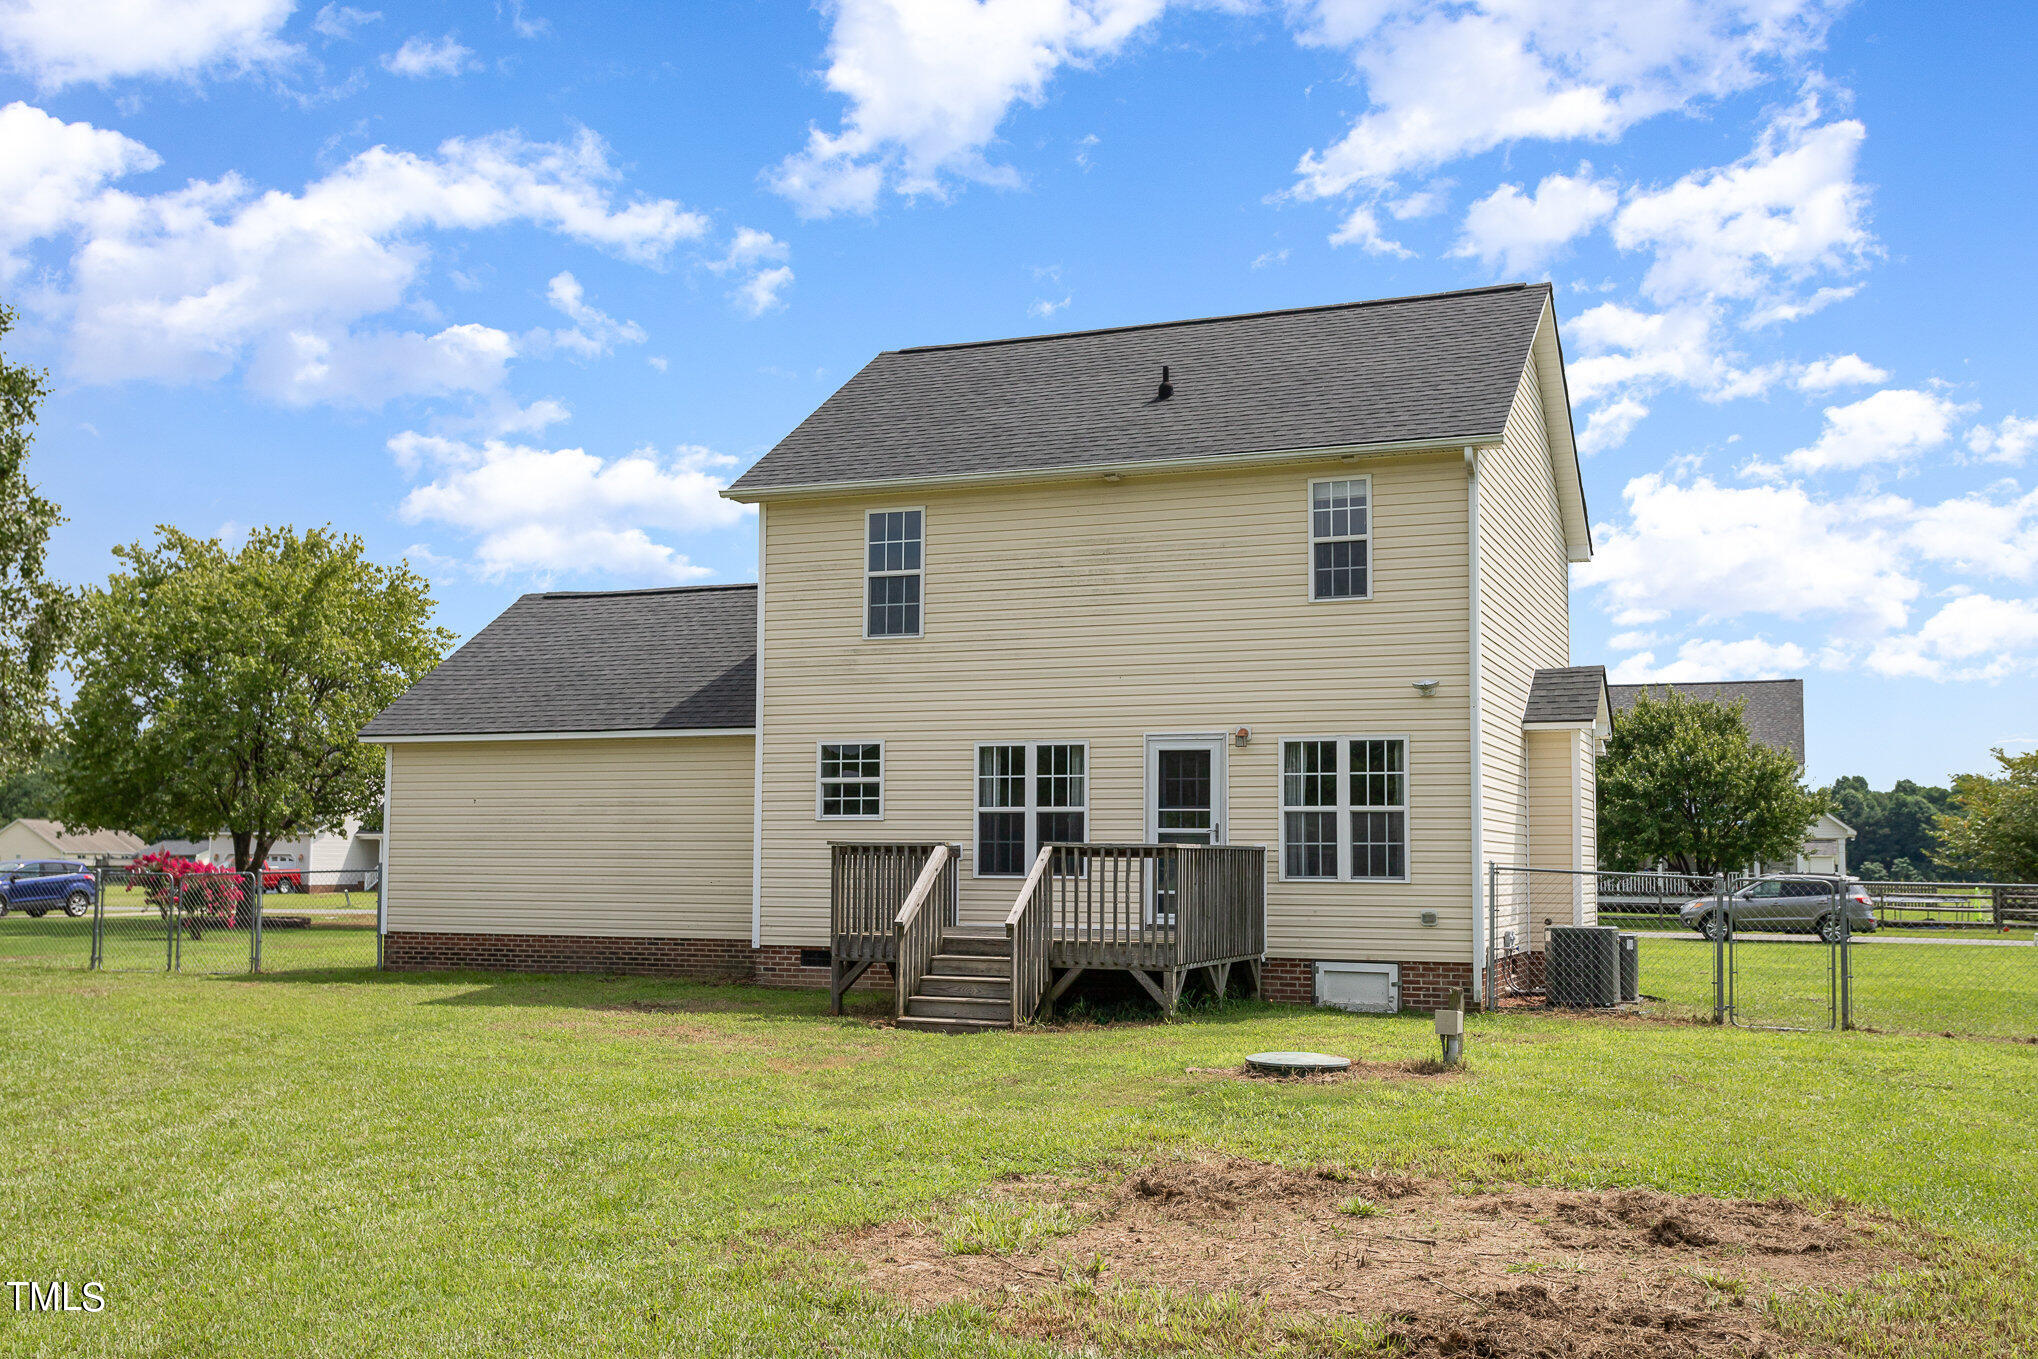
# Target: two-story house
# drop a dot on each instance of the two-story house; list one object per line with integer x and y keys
{"x": 1295, "y": 580}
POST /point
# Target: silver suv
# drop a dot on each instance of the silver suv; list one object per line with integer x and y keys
{"x": 1786, "y": 903}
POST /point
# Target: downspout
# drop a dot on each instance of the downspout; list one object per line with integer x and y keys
{"x": 1479, "y": 940}
{"x": 757, "y": 753}
{"x": 382, "y": 857}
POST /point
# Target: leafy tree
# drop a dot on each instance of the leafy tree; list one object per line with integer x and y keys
{"x": 35, "y": 613}
{"x": 225, "y": 688}
{"x": 1683, "y": 783}
{"x": 30, "y": 792}
{"x": 1992, "y": 828}
{"x": 1892, "y": 826}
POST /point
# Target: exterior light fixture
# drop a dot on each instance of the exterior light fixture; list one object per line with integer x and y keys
{"x": 1426, "y": 687}
{"x": 1242, "y": 737}
{"x": 1112, "y": 478}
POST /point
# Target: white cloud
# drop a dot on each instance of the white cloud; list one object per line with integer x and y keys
{"x": 594, "y": 331}
{"x": 1778, "y": 311}
{"x": 1716, "y": 552}
{"x": 1362, "y": 228}
{"x": 566, "y": 511}
{"x": 1444, "y": 82}
{"x": 1788, "y": 210}
{"x": 1837, "y": 371}
{"x": 2011, "y": 441}
{"x": 1268, "y": 258}
{"x": 341, "y": 22}
{"x": 1517, "y": 234}
{"x": 928, "y": 83}
{"x": 51, "y": 171}
{"x": 1892, "y": 425}
{"x": 421, "y": 58}
{"x": 1045, "y": 306}
{"x": 188, "y": 284}
{"x": 1610, "y": 425}
{"x": 1709, "y": 659}
{"x": 64, "y": 42}
{"x": 1974, "y": 637}
{"x": 761, "y": 258}
{"x": 1977, "y": 534}
{"x": 1626, "y": 354}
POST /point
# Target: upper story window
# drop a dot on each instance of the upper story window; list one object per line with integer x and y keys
{"x": 1029, "y": 794}
{"x": 1340, "y": 538}
{"x": 852, "y": 780}
{"x": 893, "y": 542}
{"x": 1344, "y": 808}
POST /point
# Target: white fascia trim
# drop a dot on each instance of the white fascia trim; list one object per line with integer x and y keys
{"x": 556, "y": 736}
{"x": 1591, "y": 725}
{"x": 1089, "y": 471}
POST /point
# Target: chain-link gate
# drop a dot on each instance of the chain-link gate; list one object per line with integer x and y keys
{"x": 151, "y": 921}
{"x": 1789, "y": 951}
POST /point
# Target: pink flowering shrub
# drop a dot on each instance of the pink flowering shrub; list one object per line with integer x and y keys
{"x": 171, "y": 882}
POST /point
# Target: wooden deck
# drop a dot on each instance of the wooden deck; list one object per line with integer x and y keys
{"x": 1159, "y": 913}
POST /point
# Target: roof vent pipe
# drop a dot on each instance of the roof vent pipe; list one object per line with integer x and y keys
{"x": 1167, "y": 388}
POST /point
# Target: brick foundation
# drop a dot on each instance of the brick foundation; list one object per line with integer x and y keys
{"x": 1424, "y": 986}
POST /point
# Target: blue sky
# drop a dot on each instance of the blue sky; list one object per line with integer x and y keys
{"x": 512, "y": 290}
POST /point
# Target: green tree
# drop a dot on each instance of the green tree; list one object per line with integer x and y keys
{"x": 1901, "y": 824}
{"x": 1683, "y": 783}
{"x": 224, "y": 689}
{"x": 31, "y": 791}
{"x": 1992, "y": 829}
{"x": 35, "y": 613}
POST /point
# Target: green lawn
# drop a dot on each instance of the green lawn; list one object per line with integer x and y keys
{"x": 353, "y": 1163}
{"x": 133, "y": 939}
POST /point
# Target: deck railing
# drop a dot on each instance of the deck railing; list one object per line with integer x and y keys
{"x": 1027, "y": 932}
{"x": 1223, "y": 911}
{"x": 867, "y": 883}
{"x": 916, "y": 930}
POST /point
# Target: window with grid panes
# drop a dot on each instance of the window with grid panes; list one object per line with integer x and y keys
{"x": 893, "y": 543}
{"x": 852, "y": 779}
{"x": 1029, "y": 794}
{"x": 1344, "y": 808}
{"x": 1340, "y": 538}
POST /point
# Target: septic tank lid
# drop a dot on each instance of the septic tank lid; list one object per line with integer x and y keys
{"x": 1296, "y": 1063}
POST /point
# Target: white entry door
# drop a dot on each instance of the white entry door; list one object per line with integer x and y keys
{"x": 1185, "y": 785}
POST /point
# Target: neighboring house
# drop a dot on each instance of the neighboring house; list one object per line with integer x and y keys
{"x": 347, "y": 857}
{"x": 1294, "y": 579}
{"x": 1773, "y": 711}
{"x": 33, "y": 838}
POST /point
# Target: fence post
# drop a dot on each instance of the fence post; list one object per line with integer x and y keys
{"x": 170, "y": 934}
{"x": 1492, "y": 983}
{"x": 1846, "y": 953}
{"x": 98, "y": 920}
{"x": 255, "y": 942}
{"x": 1720, "y": 945}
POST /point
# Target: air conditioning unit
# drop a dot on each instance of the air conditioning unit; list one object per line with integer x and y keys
{"x": 1631, "y": 967}
{"x": 1583, "y": 966}
{"x": 1370, "y": 988}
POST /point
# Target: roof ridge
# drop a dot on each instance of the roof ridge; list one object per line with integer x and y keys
{"x": 1233, "y": 316}
{"x": 1660, "y": 684}
{"x": 642, "y": 590}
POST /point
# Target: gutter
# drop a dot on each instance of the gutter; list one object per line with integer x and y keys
{"x": 1480, "y": 943}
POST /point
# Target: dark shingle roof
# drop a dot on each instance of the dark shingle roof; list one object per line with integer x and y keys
{"x": 1774, "y": 715}
{"x": 623, "y": 660}
{"x": 1442, "y": 367}
{"x": 1567, "y": 695}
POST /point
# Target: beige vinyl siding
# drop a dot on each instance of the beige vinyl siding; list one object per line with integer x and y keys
{"x": 1087, "y": 611}
{"x": 20, "y": 842}
{"x": 646, "y": 837}
{"x": 1524, "y": 612}
{"x": 1587, "y": 755}
{"x": 1552, "y": 772}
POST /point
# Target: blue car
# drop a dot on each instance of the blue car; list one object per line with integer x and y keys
{"x": 36, "y": 887}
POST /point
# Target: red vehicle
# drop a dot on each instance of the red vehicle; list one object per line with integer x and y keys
{"x": 282, "y": 878}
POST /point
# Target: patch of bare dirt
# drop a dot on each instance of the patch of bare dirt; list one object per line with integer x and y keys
{"x": 1519, "y": 1274}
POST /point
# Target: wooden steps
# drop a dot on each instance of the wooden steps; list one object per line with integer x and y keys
{"x": 967, "y": 988}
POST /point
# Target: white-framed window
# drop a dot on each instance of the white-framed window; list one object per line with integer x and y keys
{"x": 1029, "y": 794}
{"x": 851, "y": 781}
{"x": 1341, "y": 538}
{"x": 1344, "y": 808}
{"x": 894, "y": 548}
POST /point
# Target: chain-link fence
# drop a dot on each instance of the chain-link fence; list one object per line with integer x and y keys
{"x": 215, "y": 920}
{"x": 1785, "y": 951}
